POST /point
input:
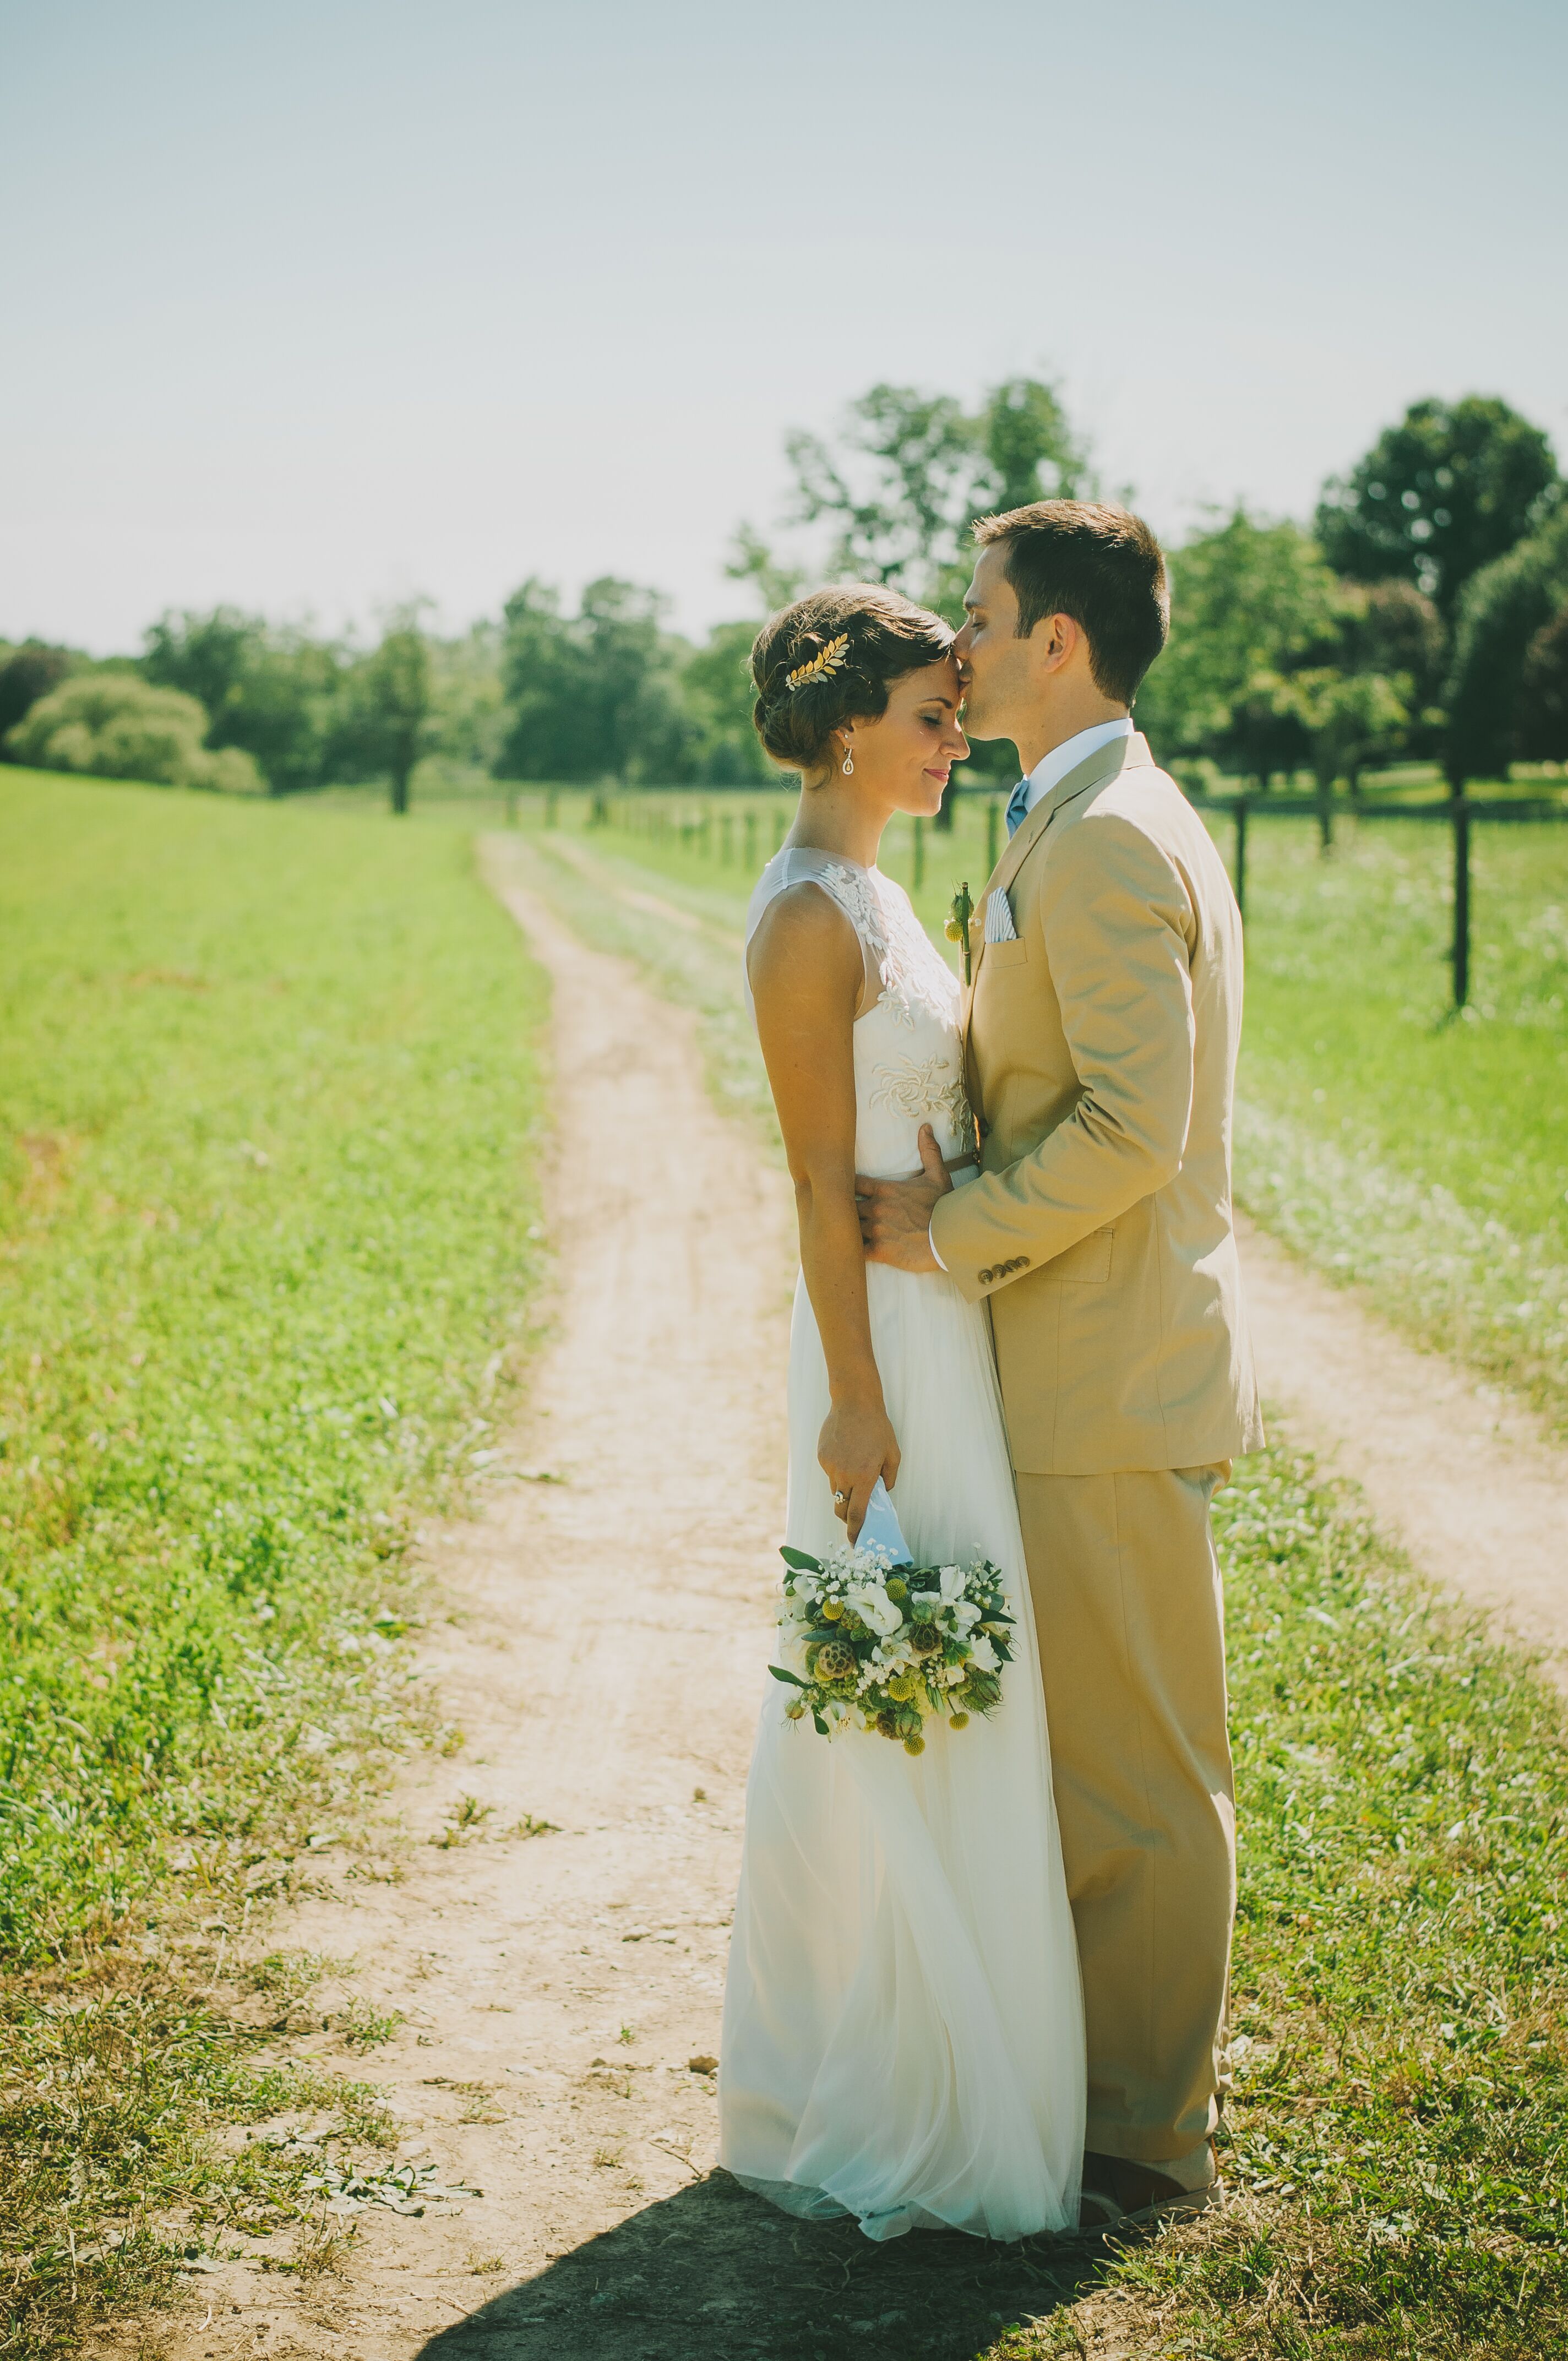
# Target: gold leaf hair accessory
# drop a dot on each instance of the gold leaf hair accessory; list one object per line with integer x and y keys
{"x": 827, "y": 659}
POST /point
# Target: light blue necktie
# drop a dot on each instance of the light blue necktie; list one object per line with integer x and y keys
{"x": 1017, "y": 807}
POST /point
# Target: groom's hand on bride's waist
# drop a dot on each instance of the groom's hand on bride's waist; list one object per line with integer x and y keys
{"x": 895, "y": 1215}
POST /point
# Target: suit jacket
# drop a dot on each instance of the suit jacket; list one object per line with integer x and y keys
{"x": 1100, "y": 1052}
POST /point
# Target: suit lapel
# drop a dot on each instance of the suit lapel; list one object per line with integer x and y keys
{"x": 1122, "y": 754}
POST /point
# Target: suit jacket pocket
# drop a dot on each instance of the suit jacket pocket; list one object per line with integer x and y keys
{"x": 1010, "y": 954}
{"x": 1089, "y": 1259}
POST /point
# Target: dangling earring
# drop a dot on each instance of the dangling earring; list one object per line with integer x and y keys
{"x": 848, "y": 765}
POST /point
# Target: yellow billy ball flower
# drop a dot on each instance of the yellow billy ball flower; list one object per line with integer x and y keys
{"x": 915, "y": 1746}
{"x": 832, "y": 1608}
{"x": 957, "y": 1721}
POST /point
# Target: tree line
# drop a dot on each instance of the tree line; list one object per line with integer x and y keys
{"x": 1422, "y": 616}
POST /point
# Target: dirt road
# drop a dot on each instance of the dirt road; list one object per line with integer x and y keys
{"x": 1468, "y": 1480}
{"x": 600, "y": 1639}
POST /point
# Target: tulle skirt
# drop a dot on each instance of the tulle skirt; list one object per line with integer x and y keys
{"x": 903, "y": 2020}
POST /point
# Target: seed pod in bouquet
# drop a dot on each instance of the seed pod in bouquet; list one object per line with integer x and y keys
{"x": 835, "y": 1662}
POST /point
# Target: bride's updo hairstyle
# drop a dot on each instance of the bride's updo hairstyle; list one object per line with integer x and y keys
{"x": 831, "y": 658}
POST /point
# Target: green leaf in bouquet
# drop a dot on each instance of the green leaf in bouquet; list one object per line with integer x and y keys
{"x": 819, "y": 1725}
{"x": 798, "y": 1559}
{"x": 793, "y": 1679}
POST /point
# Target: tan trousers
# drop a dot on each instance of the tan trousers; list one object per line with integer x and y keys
{"x": 1127, "y": 1606}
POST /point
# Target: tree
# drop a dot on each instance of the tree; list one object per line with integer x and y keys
{"x": 592, "y": 695}
{"x": 1451, "y": 488}
{"x": 26, "y": 674}
{"x": 910, "y": 472}
{"x": 717, "y": 691}
{"x": 111, "y": 725}
{"x": 1503, "y": 609}
{"x": 1031, "y": 451}
{"x": 751, "y": 559}
{"x": 273, "y": 692}
{"x": 386, "y": 726}
{"x": 1542, "y": 730}
{"x": 467, "y": 721}
{"x": 1349, "y": 719}
{"x": 1251, "y": 603}
{"x": 1392, "y": 627}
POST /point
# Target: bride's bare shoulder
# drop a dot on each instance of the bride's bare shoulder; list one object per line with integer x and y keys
{"x": 803, "y": 941}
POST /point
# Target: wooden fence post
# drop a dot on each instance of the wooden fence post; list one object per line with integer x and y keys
{"x": 779, "y": 826}
{"x": 919, "y": 852}
{"x": 1240, "y": 854}
{"x": 1461, "y": 952}
{"x": 751, "y": 833}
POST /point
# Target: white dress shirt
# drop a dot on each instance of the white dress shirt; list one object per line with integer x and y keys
{"x": 1054, "y": 767}
{"x": 1051, "y": 769}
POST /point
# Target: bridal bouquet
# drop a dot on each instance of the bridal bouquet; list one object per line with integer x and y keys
{"x": 889, "y": 1645}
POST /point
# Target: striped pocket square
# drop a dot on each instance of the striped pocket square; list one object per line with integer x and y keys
{"x": 999, "y": 926}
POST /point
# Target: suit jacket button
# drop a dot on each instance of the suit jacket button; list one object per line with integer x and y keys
{"x": 1022, "y": 1263}
{"x": 986, "y": 1277}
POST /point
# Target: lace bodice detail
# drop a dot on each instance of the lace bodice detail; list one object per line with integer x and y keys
{"x": 908, "y": 1043}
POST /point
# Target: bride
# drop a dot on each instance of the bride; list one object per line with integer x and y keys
{"x": 902, "y": 2022}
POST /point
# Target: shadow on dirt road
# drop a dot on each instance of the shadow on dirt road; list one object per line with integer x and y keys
{"x": 714, "y": 2274}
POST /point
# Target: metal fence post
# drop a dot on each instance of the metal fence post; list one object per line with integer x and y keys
{"x": 1461, "y": 952}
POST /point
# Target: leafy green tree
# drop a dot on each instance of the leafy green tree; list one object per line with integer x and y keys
{"x": 275, "y": 693}
{"x": 111, "y": 725}
{"x": 1542, "y": 729}
{"x": 468, "y": 719}
{"x": 1393, "y": 628}
{"x": 1349, "y": 720}
{"x": 26, "y": 674}
{"x": 1445, "y": 492}
{"x": 385, "y": 724}
{"x": 910, "y": 471}
{"x": 717, "y": 693}
{"x": 1504, "y": 609}
{"x": 753, "y": 559}
{"x": 1251, "y": 603}
{"x": 1031, "y": 451}
{"x": 593, "y": 696}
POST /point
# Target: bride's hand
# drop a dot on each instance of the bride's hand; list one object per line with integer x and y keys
{"x": 856, "y": 1446}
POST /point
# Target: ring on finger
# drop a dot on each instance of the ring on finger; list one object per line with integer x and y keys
{"x": 840, "y": 1499}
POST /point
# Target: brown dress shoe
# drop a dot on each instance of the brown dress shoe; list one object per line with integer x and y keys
{"x": 1116, "y": 2190}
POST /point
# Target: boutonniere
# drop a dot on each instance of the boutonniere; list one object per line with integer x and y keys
{"x": 960, "y": 910}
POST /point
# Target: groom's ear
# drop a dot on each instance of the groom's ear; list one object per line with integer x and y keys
{"x": 1055, "y": 641}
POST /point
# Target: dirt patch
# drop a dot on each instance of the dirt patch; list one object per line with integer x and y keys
{"x": 1466, "y": 1478}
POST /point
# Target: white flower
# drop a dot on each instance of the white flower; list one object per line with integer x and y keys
{"x": 953, "y": 1581}
{"x": 983, "y": 1654}
{"x": 876, "y": 1609}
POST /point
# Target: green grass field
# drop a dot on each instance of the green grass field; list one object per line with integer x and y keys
{"x": 1423, "y": 1156}
{"x": 263, "y": 1065}
{"x": 265, "y": 1072}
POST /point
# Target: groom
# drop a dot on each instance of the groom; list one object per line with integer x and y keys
{"x": 1102, "y": 1036}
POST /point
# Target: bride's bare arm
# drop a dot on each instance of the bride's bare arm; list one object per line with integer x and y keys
{"x": 807, "y": 970}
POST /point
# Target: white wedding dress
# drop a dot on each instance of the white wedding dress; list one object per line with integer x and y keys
{"x": 903, "y": 2021}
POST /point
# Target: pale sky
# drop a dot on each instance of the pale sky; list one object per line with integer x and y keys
{"x": 315, "y": 305}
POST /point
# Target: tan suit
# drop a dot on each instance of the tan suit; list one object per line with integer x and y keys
{"x": 1101, "y": 1052}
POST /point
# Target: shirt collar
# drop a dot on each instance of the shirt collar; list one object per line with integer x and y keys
{"x": 1054, "y": 767}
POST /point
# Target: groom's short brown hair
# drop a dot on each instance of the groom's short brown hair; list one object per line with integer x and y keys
{"x": 1100, "y": 564}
